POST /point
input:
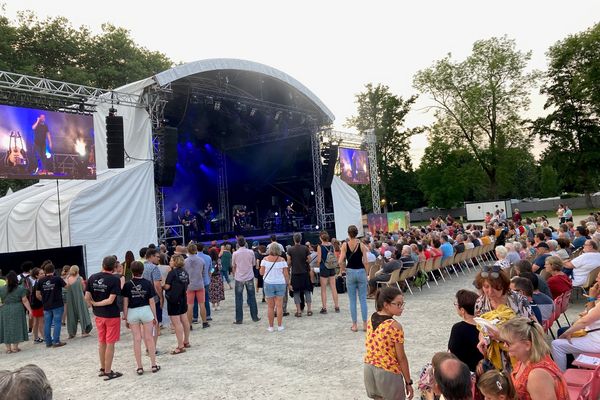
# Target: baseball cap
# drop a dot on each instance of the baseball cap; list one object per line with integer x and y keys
{"x": 255, "y": 244}
{"x": 387, "y": 254}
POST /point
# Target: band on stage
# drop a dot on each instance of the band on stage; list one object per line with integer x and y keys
{"x": 207, "y": 221}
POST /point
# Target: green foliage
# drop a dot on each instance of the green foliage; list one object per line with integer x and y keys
{"x": 479, "y": 100}
{"x": 549, "y": 182}
{"x": 54, "y": 49}
{"x": 572, "y": 129}
{"x": 381, "y": 110}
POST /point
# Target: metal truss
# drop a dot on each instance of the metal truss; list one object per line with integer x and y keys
{"x": 31, "y": 84}
{"x": 223, "y": 192}
{"x": 315, "y": 142}
{"x": 371, "y": 140}
{"x": 170, "y": 232}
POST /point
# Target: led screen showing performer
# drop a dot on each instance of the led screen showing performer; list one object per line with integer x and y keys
{"x": 41, "y": 144}
{"x": 354, "y": 166}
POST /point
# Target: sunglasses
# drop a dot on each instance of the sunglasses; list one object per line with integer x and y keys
{"x": 491, "y": 271}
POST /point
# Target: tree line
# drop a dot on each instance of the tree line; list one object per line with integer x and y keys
{"x": 479, "y": 145}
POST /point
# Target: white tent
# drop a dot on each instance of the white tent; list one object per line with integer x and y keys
{"x": 116, "y": 212}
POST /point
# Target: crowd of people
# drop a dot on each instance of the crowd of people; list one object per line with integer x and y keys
{"x": 506, "y": 356}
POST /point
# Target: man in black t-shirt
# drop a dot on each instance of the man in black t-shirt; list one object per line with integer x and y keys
{"x": 101, "y": 293}
{"x": 49, "y": 291}
{"x": 41, "y": 133}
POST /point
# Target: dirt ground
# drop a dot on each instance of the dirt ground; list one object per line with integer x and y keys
{"x": 315, "y": 357}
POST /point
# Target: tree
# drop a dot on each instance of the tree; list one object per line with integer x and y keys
{"x": 52, "y": 48}
{"x": 381, "y": 110}
{"x": 482, "y": 98}
{"x": 549, "y": 184}
{"x": 572, "y": 129}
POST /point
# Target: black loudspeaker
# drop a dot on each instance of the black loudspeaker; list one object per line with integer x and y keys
{"x": 329, "y": 166}
{"x": 165, "y": 164}
{"x": 115, "y": 145}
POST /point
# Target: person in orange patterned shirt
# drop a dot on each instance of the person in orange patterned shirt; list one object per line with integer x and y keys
{"x": 386, "y": 371}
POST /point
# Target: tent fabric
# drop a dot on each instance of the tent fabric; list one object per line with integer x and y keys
{"x": 184, "y": 70}
{"x": 346, "y": 208}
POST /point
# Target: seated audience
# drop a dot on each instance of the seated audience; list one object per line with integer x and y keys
{"x": 524, "y": 287}
{"x": 535, "y": 375}
{"x": 541, "y": 300}
{"x": 580, "y": 267}
{"x": 25, "y": 383}
{"x": 452, "y": 380}
{"x": 558, "y": 282}
{"x": 384, "y": 274}
{"x": 501, "y": 253}
{"x": 524, "y": 266}
{"x": 572, "y": 341}
{"x": 496, "y": 385}
{"x": 542, "y": 251}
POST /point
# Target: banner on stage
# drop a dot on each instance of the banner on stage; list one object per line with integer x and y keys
{"x": 354, "y": 166}
{"x": 41, "y": 144}
{"x": 398, "y": 220}
{"x": 377, "y": 223}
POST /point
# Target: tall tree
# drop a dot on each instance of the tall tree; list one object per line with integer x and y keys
{"x": 482, "y": 96}
{"x": 52, "y": 48}
{"x": 379, "y": 109}
{"x": 572, "y": 129}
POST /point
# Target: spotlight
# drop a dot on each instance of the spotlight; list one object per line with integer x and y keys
{"x": 194, "y": 99}
{"x": 81, "y": 105}
{"x": 112, "y": 111}
{"x": 276, "y": 214}
{"x": 208, "y": 100}
{"x": 317, "y": 227}
{"x": 312, "y": 193}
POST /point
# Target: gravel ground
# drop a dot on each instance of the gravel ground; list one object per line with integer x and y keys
{"x": 316, "y": 357}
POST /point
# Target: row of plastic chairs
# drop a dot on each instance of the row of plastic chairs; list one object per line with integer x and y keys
{"x": 583, "y": 384}
{"x": 470, "y": 258}
{"x": 561, "y": 304}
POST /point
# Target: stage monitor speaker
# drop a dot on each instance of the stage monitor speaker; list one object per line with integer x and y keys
{"x": 115, "y": 144}
{"x": 165, "y": 165}
{"x": 329, "y": 168}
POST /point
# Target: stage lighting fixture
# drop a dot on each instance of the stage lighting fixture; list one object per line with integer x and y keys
{"x": 312, "y": 193}
{"x": 276, "y": 214}
{"x": 253, "y": 112}
{"x": 194, "y": 99}
{"x": 277, "y": 115}
{"x": 317, "y": 227}
{"x": 81, "y": 105}
{"x": 208, "y": 100}
{"x": 217, "y": 105}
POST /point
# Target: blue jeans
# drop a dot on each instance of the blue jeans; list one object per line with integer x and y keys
{"x": 239, "y": 299}
{"x": 225, "y": 275}
{"x": 356, "y": 282}
{"x": 53, "y": 316}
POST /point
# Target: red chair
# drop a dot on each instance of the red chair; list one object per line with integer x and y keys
{"x": 586, "y": 366}
{"x": 578, "y": 377}
{"x": 554, "y": 316}
{"x": 565, "y": 304}
{"x": 589, "y": 391}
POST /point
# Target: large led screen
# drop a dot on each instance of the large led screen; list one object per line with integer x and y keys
{"x": 40, "y": 144}
{"x": 354, "y": 166}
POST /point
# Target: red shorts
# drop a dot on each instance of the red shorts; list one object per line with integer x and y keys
{"x": 199, "y": 294}
{"x": 37, "y": 312}
{"x": 109, "y": 329}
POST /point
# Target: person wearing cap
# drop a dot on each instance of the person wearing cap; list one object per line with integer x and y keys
{"x": 391, "y": 264}
{"x": 543, "y": 251}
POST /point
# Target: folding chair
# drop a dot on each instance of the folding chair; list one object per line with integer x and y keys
{"x": 394, "y": 279}
{"x": 437, "y": 266}
{"x": 428, "y": 268}
{"x": 590, "y": 389}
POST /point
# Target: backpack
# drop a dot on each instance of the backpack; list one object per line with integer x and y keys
{"x": 331, "y": 261}
{"x": 27, "y": 285}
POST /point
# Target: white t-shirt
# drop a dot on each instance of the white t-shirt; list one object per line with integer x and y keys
{"x": 584, "y": 264}
{"x": 275, "y": 275}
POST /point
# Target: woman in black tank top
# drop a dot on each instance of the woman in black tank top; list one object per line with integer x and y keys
{"x": 353, "y": 262}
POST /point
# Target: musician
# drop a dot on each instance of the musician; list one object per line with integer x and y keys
{"x": 190, "y": 227}
{"x": 175, "y": 218}
{"x": 41, "y": 135}
{"x": 237, "y": 220}
{"x": 290, "y": 209}
{"x": 209, "y": 214}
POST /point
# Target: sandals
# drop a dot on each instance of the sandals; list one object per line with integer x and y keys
{"x": 187, "y": 345}
{"x": 112, "y": 375}
{"x": 9, "y": 351}
{"x": 38, "y": 340}
{"x": 337, "y": 309}
{"x": 101, "y": 372}
{"x": 178, "y": 350}
{"x": 354, "y": 329}
{"x": 323, "y": 311}
{"x": 309, "y": 314}
{"x": 155, "y": 368}
{"x": 298, "y": 314}
{"x": 139, "y": 371}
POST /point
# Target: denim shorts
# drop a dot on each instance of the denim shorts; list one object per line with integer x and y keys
{"x": 140, "y": 315}
{"x": 274, "y": 290}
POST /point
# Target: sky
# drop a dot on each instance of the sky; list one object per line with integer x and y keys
{"x": 334, "y": 47}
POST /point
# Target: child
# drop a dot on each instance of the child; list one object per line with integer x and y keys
{"x": 495, "y": 385}
{"x": 37, "y": 309}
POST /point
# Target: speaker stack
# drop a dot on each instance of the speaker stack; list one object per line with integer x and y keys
{"x": 329, "y": 160}
{"x": 166, "y": 162}
{"x": 115, "y": 145}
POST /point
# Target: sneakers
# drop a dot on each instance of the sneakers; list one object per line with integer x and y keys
{"x": 280, "y": 328}
{"x": 205, "y": 325}
{"x": 270, "y": 329}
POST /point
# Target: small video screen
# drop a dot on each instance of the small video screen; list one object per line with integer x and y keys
{"x": 354, "y": 166}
